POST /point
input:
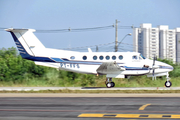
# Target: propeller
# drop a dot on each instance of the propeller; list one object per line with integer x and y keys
{"x": 154, "y": 67}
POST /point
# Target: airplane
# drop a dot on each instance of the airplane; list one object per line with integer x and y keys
{"x": 111, "y": 64}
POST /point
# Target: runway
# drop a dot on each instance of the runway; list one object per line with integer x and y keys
{"x": 89, "y": 108}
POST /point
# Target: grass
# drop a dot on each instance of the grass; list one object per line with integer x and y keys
{"x": 54, "y": 81}
{"x": 55, "y": 78}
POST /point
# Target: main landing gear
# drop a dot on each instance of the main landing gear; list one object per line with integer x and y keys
{"x": 168, "y": 83}
{"x": 109, "y": 83}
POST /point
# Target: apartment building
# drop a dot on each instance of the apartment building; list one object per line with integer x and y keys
{"x": 161, "y": 42}
{"x": 178, "y": 45}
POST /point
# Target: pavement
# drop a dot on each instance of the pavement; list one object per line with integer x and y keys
{"x": 89, "y": 108}
{"x": 90, "y": 95}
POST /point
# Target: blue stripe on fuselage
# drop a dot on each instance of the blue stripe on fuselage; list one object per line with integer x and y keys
{"x": 57, "y": 59}
{"x": 136, "y": 68}
{"x": 166, "y": 67}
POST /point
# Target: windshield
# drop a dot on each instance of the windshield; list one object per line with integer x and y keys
{"x": 142, "y": 56}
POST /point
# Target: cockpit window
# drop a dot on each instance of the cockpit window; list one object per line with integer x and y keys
{"x": 134, "y": 57}
{"x": 142, "y": 56}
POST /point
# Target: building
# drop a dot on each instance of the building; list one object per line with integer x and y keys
{"x": 161, "y": 42}
{"x": 178, "y": 45}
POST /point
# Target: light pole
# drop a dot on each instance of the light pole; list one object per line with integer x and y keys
{"x": 121, "y": 41}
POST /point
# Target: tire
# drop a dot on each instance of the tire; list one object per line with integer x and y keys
{"x": 108, "y": 85}
{"x": 168, "y": 84}
{"x": 112, "y": 84}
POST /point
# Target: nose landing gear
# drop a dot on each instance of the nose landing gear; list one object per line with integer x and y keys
{"x": 168, "y": 83}
{"x": 109, "y": 83}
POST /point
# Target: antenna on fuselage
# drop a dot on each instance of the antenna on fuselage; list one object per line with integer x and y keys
{"x": 89, "y": 50}
{"x": 96, "y": 48}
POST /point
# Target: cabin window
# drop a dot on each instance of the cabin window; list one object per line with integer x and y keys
{"x": 72, "y": 57}
{"x": 84, "y": 57}
{"x": 101, "y": 57}
{"x": 94, "y": 57}
{"x": 113, "y": 57}
{"x": 107, "y": 57}
{"x": 120, "y": 57}
{"x": 134, "y": 57}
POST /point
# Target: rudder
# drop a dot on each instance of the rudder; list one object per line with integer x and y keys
{"x": 26, "y": 42}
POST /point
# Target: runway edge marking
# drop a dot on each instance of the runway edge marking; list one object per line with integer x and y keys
{"x": 129, "y": 115}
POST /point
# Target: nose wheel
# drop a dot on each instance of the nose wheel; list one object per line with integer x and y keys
{"x": 168, "y": 84}
{"x": 109, "y": 83}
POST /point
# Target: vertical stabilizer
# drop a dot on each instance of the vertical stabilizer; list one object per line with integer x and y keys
{"x": 26, "y": 42}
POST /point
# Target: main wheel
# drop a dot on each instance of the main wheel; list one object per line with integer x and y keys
{"x": 112, "y": 84}
{"x": 168, "y": 84}
{"x": 108, "y": 85}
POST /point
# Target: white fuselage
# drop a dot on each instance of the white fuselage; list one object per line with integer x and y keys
{"x": 89, "y": 62}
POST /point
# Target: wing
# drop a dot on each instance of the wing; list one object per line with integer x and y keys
{"x": 109, "y": 67}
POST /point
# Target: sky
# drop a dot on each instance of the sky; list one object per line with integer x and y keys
{"x": 77, "y": 14}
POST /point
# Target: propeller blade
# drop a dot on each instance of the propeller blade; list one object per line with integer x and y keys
{"x": 154, "y": 60}
{"x": 153, "y": 66}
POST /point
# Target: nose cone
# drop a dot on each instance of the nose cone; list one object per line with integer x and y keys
{"x": 169, "y": 67}
{"x": 165, "y": 66}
